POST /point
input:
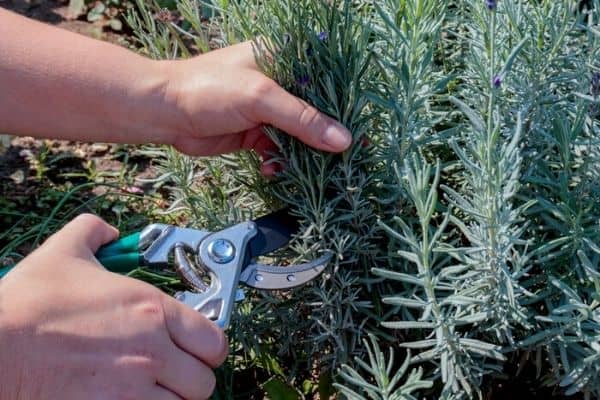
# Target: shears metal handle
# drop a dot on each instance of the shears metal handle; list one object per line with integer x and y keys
{"x": 223, "y": 258}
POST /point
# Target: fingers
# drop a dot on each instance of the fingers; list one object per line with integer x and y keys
{"x": 254, "y": 139}
{"x": 274, "y": 106}
{"x": 186, "y": 376}
{"x": 277, "y": 107}
{"x": 193, "y": 333}
{"x": 263, "y": 145}
{"x": 84, "y": 235}
{"x": 269, "y": 170}
{"x": 160, "y": 393}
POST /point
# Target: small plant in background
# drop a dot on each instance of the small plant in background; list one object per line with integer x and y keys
{"x": 465, "y": 217}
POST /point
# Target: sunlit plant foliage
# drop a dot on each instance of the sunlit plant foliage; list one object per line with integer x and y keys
{"x": 465, "y": 217}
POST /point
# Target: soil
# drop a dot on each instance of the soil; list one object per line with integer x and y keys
{"x": 57, "y": 13}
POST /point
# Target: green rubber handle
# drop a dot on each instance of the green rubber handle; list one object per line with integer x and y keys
{"x": 4, "y": 270}
{"x": 121, "y": 263}
{"x": 125, "y": 245}
{"x": 119, "y": 256}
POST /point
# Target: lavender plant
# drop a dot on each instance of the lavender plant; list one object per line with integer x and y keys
{"x": 464, "y": 218}
{"x": 384, "y": 374}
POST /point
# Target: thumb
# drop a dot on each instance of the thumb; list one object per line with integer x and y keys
{"x": 279, "y": 108}
{"x": 194, "y": 333}
{"x": 83, "y": 236}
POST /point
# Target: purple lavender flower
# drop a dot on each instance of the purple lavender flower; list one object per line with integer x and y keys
{"x": 491, "y": 4}
{"x": 303, "y": 81}
{"x": 497, "y": 82}
{"x": 595, "y": 84}
{"x": 323, "y": 36}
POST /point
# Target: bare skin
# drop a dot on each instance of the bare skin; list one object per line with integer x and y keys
{"x": 72, "y": 330}
{"x": 57, "y": 84}
{"x": 68, "y": 328}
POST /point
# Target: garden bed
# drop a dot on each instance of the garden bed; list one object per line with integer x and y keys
{"x": 464, "y": 219}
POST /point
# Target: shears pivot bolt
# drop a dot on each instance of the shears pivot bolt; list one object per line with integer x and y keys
{"x": 221, "y": 251}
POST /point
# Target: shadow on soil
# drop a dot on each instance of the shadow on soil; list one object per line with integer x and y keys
{"x": 40, "y": 10}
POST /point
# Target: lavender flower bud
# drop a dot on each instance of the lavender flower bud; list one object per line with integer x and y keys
{"x": 323, "y": 36}
{"x": 491, "y": 4}
{"x": 595, "y": 84}
{"x": 303, "y": 81}
{"x": 497, "y": 82}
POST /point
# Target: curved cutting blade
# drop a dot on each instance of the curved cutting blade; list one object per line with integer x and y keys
{"x": 276, "y": 278}
{"x": 274, "y": 231}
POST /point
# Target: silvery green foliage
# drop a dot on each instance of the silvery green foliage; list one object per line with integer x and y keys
{"x": 449, "y": 288}
{"x": 550, "y": 79}
{"x": 446, "y": 313}
{"x": 334, "y": 194}
{"x": 465, "y": 217}
{"x": 378, "y": 380}
{"x": 204, "y": 189}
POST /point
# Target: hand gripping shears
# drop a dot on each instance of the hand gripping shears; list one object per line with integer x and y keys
{"x": 212, "y": 263}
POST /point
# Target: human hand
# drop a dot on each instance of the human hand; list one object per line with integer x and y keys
{"x": 71, "y": 330}
{"x": 222, "y": 101}
{"x": 211, "y": 104}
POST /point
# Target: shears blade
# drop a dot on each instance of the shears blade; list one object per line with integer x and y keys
{"x": 274, "y": 231}
{"x": 280, "y": 278}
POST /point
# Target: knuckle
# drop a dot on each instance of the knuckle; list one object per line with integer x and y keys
{"x": 151, "y": 309}
{"x": 147, "y": 361}
{"x": 261, "y": 88}
{"x": 309, "y": 117}
{"x": 149, "y": 299}
{"x": 153, "y": 365}
{"x": 89, "y": 219}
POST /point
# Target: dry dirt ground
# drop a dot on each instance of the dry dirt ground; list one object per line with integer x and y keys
{"x": 57, "y": 13}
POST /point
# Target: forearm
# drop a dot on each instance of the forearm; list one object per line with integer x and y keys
{"x": 58, "y": 84}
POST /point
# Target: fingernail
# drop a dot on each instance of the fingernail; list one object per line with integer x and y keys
{"x": 337, "y": 137}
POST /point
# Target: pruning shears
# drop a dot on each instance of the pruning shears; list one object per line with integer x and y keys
{"x": 212, "y": 263}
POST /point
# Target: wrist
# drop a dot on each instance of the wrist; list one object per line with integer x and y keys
{"x": 154, "y": 118}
